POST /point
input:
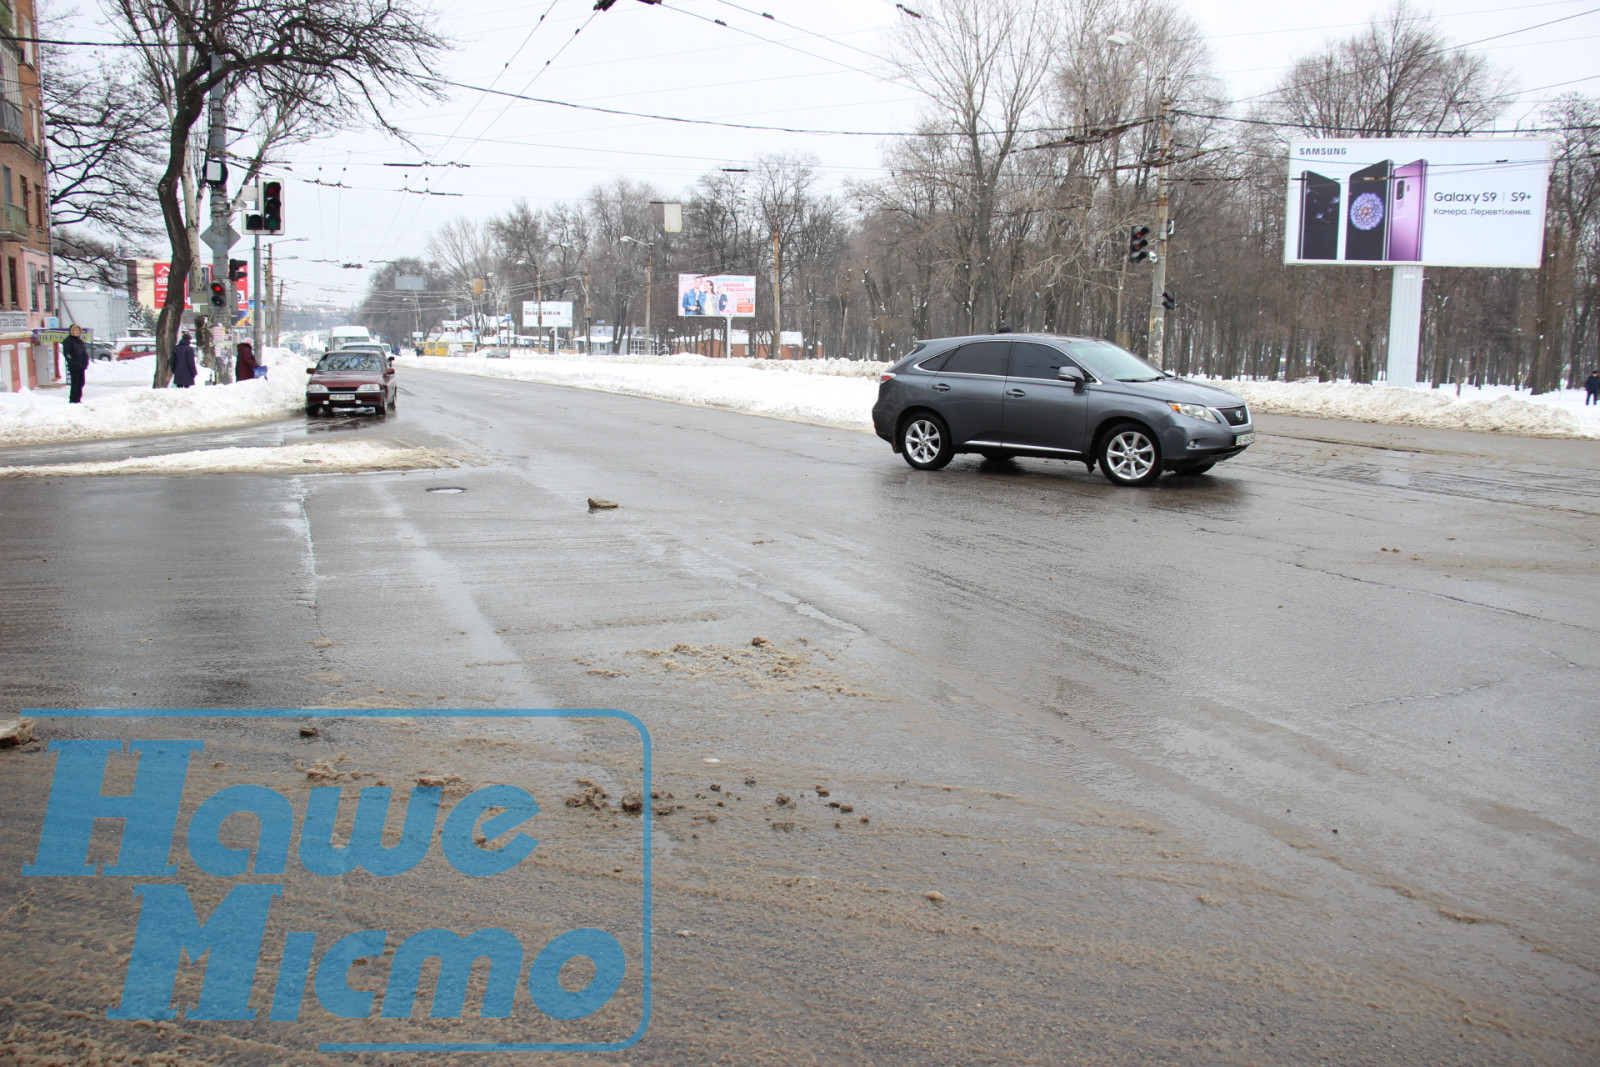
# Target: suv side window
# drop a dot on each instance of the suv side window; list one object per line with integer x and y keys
{"x": 1032, "y": 360}
{"x": 934, "y": 363}
{"x": 979, "y": 357}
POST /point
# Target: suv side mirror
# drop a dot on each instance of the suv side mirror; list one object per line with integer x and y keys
{"x": 1073, "y": 375}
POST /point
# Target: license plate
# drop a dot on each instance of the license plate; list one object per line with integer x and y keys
{"x": 1244, "y": 439}
{"x": 342, "y": 396}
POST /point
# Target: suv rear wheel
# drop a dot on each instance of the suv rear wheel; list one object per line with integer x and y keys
{"x": 1129, "y": 455}
{"x": 925, "y": 441}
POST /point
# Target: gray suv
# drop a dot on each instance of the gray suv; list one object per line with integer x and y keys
{"x": 1073, "y": 398}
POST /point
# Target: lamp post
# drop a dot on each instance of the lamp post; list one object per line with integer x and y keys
{"x": 649, "y": 263}
{"x": 1158, "y": 277}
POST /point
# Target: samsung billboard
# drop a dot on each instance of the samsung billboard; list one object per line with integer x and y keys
{"x": 1460, "y": 202}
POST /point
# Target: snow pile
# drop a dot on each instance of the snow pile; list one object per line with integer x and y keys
{"x": 824, "y": 392}
{"x": 1485, "y": 411}
{"x": 313, "y": 458}
{"x": 118, "y": 402}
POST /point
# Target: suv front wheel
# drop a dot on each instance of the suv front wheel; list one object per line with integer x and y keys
{"x": 925, "y": 441}
{"x": 1130, "y": 455}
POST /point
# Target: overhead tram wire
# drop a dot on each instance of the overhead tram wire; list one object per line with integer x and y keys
{"x": 1437, "y": 51}
{"x": 780, "y": 44}
{"x": 802, "y": 29}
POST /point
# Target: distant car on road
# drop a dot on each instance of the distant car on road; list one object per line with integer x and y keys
{"x": 346, "y": 382}
{"x": 134, "y": 347}
{"x": 1055, "y": 397}
{"x": 496, "y": 353}
{"x": 369, "y": 347}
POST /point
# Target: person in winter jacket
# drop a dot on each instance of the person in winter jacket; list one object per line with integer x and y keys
{"x": 77, "y": 354}
{"x": 1591, "y": 388}
{"x": 244, "y": 367}
{"x": 183, "y": 368}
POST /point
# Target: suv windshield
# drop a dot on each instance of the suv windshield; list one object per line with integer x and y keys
{"x": 350, "y": 362}
{"x": 1112, "y": 363}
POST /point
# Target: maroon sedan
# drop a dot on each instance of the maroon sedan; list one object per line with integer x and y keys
{"x": 348, "y": 382}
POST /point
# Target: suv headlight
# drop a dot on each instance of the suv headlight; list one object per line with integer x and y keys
{"x": 1195, "y": 411}
{"x": 315, "y": 388}
{"x": 369, "y": 388}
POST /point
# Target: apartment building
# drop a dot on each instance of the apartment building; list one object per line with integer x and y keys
{"x": 26, "y": 301}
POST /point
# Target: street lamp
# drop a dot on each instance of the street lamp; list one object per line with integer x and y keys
{"x": 649, "y": 263}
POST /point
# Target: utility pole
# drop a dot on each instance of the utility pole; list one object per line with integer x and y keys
{"x": 649, "y": 264}
{"x": 588, "y": 327}
{"x": 776, "y": 351}
{"x": 1158, "y": 277}
{"x": 269, "y": 294}
{"x": 221, "y": 219}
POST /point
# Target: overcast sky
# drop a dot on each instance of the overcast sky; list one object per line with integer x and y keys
{"x": 816, "y": 66}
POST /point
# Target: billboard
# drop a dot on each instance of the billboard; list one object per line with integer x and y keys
{"x": 547, "y": 313}
{"x": 1461, "y": 202}
{"x": 722, "y": 295}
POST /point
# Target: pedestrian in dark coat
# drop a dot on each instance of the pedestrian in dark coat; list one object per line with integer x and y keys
{"x": 77, "y": 354}
{"x": 183, "y": 368}
{"x": 245, "y": 365}
{"x": 1591, "y": 388}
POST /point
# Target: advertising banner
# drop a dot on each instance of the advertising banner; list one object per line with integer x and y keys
{"x": 557, "y": 314}
{"x": 1461, "y": 202}
{"x": 721, "y": 295}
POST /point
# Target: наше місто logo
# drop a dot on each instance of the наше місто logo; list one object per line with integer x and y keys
{"x": 318, "y": 906}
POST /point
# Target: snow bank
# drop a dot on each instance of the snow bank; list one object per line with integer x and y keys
{"x": 118, "y": 402}
{"x": 1485, "y": 411}
{"x": 312, "y": 458}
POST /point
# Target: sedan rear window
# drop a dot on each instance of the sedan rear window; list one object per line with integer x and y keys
{"x": 351, "y": 363}
{"x": 980, "y": 357}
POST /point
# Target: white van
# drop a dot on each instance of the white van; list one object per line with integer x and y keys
{"x": 340, "y": 336}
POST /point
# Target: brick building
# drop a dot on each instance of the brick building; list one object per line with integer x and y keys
{"x": 26, "y": 288}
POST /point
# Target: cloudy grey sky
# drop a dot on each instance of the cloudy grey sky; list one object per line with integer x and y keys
{"x": 816, "y": 65}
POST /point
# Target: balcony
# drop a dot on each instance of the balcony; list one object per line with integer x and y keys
{"x": 14, "y": 223}
{"x": 5, "y": 17}
{"x": 13, "y": 127}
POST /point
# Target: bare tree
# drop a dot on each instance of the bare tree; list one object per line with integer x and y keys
{"x": 339, "y": 58}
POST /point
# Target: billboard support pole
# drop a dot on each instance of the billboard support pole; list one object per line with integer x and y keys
{"x": 1405, "y": 325}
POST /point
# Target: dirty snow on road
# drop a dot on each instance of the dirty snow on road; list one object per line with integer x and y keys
{"x": 315, "y": 457}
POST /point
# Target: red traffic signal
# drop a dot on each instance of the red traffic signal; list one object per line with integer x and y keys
{"x": 1137, "y": 241}
{"x": 219, "y": 294}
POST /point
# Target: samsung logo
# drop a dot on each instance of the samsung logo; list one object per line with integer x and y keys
{"x": 1324, "y": 151}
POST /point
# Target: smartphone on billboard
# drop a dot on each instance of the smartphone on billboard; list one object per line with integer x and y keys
{"x": 1366, "y": 231}
{"x": 1407, "y": 192}
{"x": 1319, "y": 217}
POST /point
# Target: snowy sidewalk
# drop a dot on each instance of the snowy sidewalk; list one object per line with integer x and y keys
{"x": 118, "y": 400}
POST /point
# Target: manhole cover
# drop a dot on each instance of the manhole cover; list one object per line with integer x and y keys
{"x": 447, "y": 489}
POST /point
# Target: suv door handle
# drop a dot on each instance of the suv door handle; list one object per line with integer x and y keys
{"x": 941, "y": 387}
{"x": 1015, "y": 392}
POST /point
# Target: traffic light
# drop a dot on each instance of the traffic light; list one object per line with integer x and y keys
{"x": 1137, "y": 242}
{"x": 219, "y": 294}
{"x": 236, "y": 269}
{"x": 268, "y": 216}
{"x": 1169, "y": 301}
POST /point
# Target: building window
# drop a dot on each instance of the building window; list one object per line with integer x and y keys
{"x": 11, "y": 276}
{"x": 27, "y": 206}
{"x": 5, "y": 185}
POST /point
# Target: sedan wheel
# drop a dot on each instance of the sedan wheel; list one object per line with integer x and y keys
{"x": 925, "y": 442}
{"x": 1130, "y": 456}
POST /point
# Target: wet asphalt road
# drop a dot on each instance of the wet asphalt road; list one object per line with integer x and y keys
{"x": 1350, "y": 678}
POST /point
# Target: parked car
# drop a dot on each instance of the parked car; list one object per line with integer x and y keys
{"x": 1054, "y": 397}
{"x": 346, "y": 382}
{"x": 496, "y": 353}
{"x": 134, "y": 347}
{"x": 102, "y": 349}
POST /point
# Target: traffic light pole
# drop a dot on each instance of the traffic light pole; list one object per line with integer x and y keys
{"x": 221, "y": 217}
{"x": 1158, "y": 277}
{"x": 255, "y": 300}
